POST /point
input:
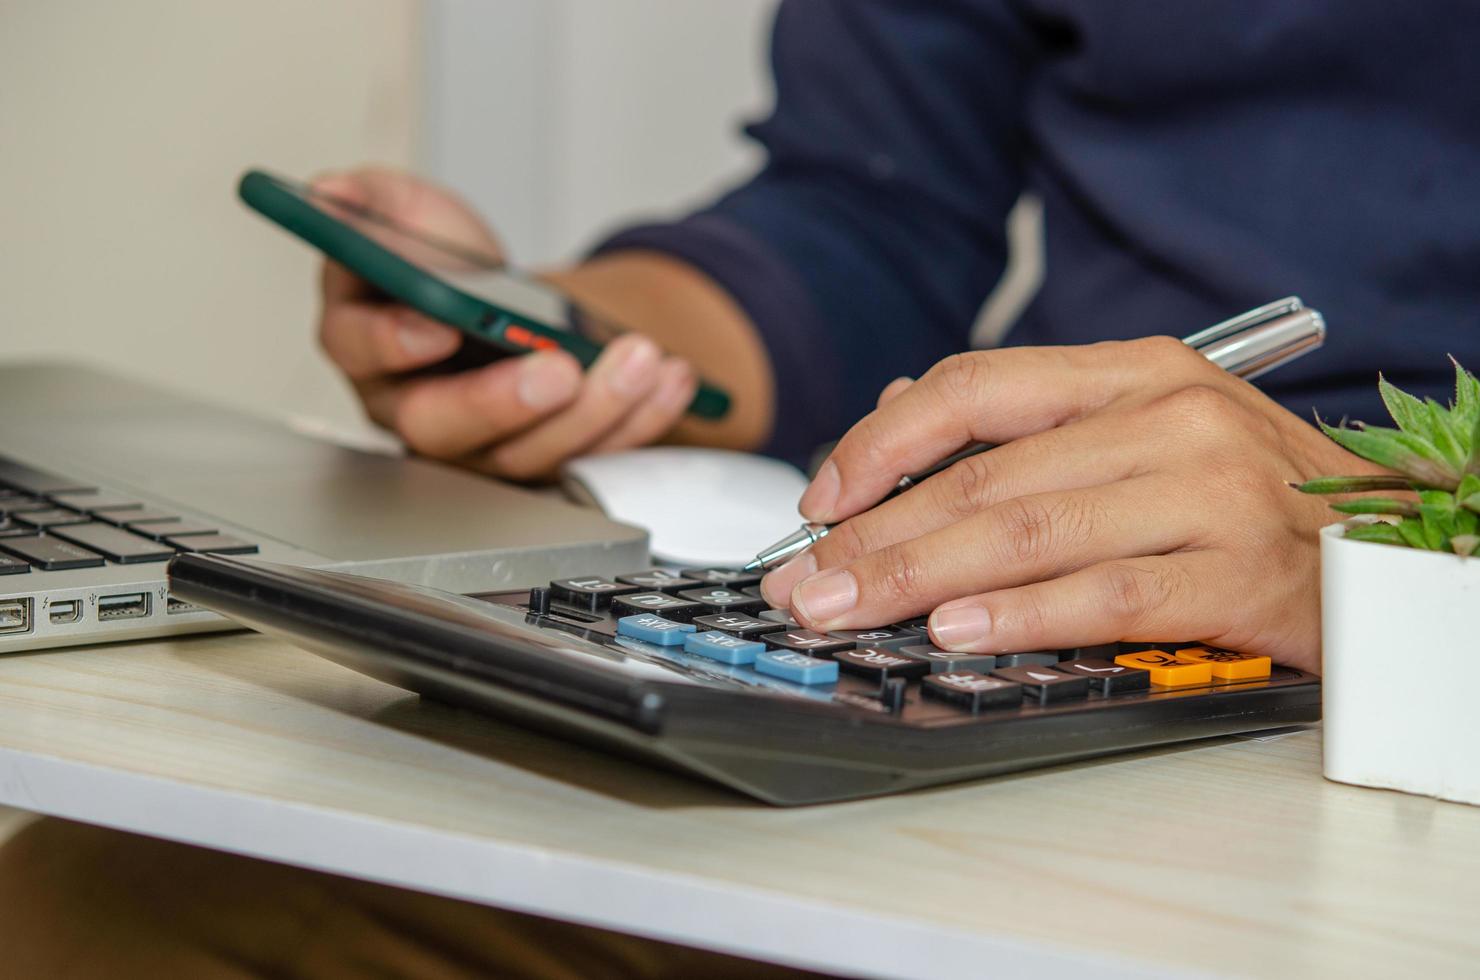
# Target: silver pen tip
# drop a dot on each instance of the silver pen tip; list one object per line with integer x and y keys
{"x": 754, "y": 565}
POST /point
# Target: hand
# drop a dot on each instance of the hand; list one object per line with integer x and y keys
{"x": 1137, "y": 492}
{"x": 519, "y": 417}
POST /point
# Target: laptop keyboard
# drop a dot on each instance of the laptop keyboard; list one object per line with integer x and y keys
{"x": 51, "y": 523}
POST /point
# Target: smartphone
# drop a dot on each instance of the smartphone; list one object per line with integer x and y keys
{"x": 501, "y": 311}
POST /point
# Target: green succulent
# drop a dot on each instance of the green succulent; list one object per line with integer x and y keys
{"x": 1436, "y": 451}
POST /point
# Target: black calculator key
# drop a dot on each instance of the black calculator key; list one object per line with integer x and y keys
{"x": 114, "y": 543}
{"x": 591, "y": 593}
{"x": 52, "y": 518}
{"x": 754, "y": 591}
{"x": 1044, "y": 685}
{"x": 736, "y": 624}
{"x": 880, "y": 664}
{"x": 13, "y": 566}
{"x": 1035, "y": 658}
{"x": 91, "y": 503}
{"x": 971, "y": 690}
{"x": 942, "y": 661}
{"x": 28, "y": 478}
{"x": 667, "y": 606}
{"x": 920, "y": 625}
{"x": 51, "y": 554}
{"x": 215, "y": 544}
{"x": 721, "y": 599}
{"x": 159, "y": 530}
{"x": 806, "y": 641}
{"x": 731, "y": 577}
{"x": 659, "y": 580}
{"x": 1107, "y": 677}
{"x": 884, "y": 636}
{"x": 780, "y": 617}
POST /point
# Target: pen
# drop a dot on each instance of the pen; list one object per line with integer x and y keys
{"x": 1247, "y": 346}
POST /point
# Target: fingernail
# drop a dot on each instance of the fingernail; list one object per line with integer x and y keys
{"x": 776, "y": 587}
{"x": 423, "y": 340}
{"x": 634, "y": 374}
{"x": 960, "y": 626}
{"x": 826, "y": 597}
{"x": 545, "y": 380}
{"x": 680, "y": 389}
{"x": 822, "y": 494}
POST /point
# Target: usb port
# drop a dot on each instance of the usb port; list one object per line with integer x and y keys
{"x": 131, "y": 605}
{"x": 15, "y": 615}
{"x": 64, "y": 611}
{"x": 173, "y": 606}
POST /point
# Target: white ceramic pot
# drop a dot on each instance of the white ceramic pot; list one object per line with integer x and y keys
{"x": 1401, "y": 651}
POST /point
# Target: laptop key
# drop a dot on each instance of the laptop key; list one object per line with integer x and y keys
{"x": 216, "y": 544}
{"x": 51, "y": 554}
{"x": 52, "y": 518}
{"x": 32, "y": 480}
{"x": 13, "y": 566}
{"x": 93, "y": 502}
{"x": 19, "y": 503}
{"x": 10, "y": 528}
{"x": 174, "y": 528}
{"x": 135, "y": 515}
{"x": 115, "y": 544}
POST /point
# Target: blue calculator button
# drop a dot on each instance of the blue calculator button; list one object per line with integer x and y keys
{"x": 654, "y": 629}
{"x": 797, "y": 667}
{"x": 723, "y": 647}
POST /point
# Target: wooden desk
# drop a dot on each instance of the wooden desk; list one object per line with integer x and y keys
{"x": 1230, "y": 856}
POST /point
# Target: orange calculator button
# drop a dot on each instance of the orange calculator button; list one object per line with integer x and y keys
{"x": 1168, "y": 669}
{"x": 1230, "y": 666}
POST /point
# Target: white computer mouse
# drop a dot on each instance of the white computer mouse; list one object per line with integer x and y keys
{"x": 702, "y": 507}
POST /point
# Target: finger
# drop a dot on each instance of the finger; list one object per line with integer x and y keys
{"x": 447, "y": 417}
{"x": 1022, "y": 540}
{"x": 621, "y": 377}
{"x": 370, "y": 340}
{"x": 658, "y": 412}
{"x": 411, "y": 201}
{"x": 994, "y": 397}
{"x": 1158, "y": 599}
{"x": 893, "y": 389}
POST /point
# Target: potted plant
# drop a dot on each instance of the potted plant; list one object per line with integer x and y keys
{"x": 1400, "y": 601}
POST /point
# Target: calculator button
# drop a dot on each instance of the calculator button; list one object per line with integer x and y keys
{"x": 886, "y": 636}
{"x": 972, "y": 690}
{"x": 745, "y": 627}
{"x": 881, "y": 665}
{"x": 658, "y": 580}
{"x": 1228, "y": 665}
{"x": 723, "y": 647}
{"x": 1043, "y": 685}
{"x": 653, "y": 629}
{"x": 589, "y": 593}
{"x": 671, "y": 607}
{"x": 51, "y": 554}
{"x": 1167, "y": 669}
{"x": 114, "y": 543}
{"x": 806, "y": 641}
{"x": 754, "y": 591}
{"x": 732, "y": 578}
{"x": 721, "y": 599}
{"x": 216, "y": 544}
{"x": 796, "y": 667}
{"x": 780, "y": 616}
{"x": 1106, "y": 677}
{"x": 1034, "y": 658}
{"x": 51, "y": 518}
{"x": 12, "y": 566}
{"x": 919, "y": 625}
{"x": 947, "y": 660}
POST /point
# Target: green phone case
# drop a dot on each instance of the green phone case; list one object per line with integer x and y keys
{"x": 281, "y": 202}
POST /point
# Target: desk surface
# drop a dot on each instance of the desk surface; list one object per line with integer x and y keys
{"x": 1228, "y": 856}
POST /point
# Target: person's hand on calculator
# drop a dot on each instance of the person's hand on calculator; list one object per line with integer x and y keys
{"x": 1138, "y": 492}
{"x": 519, "y": 417}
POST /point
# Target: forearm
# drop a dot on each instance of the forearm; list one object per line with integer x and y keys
{"x": 690, "y": 315}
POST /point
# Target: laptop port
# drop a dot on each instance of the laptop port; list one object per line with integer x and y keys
{"x": 15, "y": 615}
{"x": 173, "y": 606}
{"x": 131, "y": 605}
{"x": 63, "y": 612}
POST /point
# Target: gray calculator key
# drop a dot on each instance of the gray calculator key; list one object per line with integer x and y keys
{"x": 51, "y": 554}
{"x": 1035, "y": 658}
{"x": 114, "y": 543}
{"x": 883, "y": 636}
{"x": 944, "y": 661}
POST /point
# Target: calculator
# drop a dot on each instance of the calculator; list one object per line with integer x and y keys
{"x": 690, "y": 669}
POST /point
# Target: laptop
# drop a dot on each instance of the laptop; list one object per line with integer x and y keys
{"x": 103, "y": 480}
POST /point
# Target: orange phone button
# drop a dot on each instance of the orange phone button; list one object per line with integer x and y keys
{"x": 1228, "y": 665}
{"x": 1168, "y": 669}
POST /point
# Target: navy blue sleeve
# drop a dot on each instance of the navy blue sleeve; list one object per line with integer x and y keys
{"x": 864, "y": 248}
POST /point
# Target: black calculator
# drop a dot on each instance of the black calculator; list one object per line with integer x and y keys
{"x": 690, "y": 669}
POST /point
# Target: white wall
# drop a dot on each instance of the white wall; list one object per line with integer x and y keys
{"x": 123, "y": 127}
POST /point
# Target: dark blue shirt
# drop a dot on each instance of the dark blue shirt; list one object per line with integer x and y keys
{"x": 1194, "y": 159}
